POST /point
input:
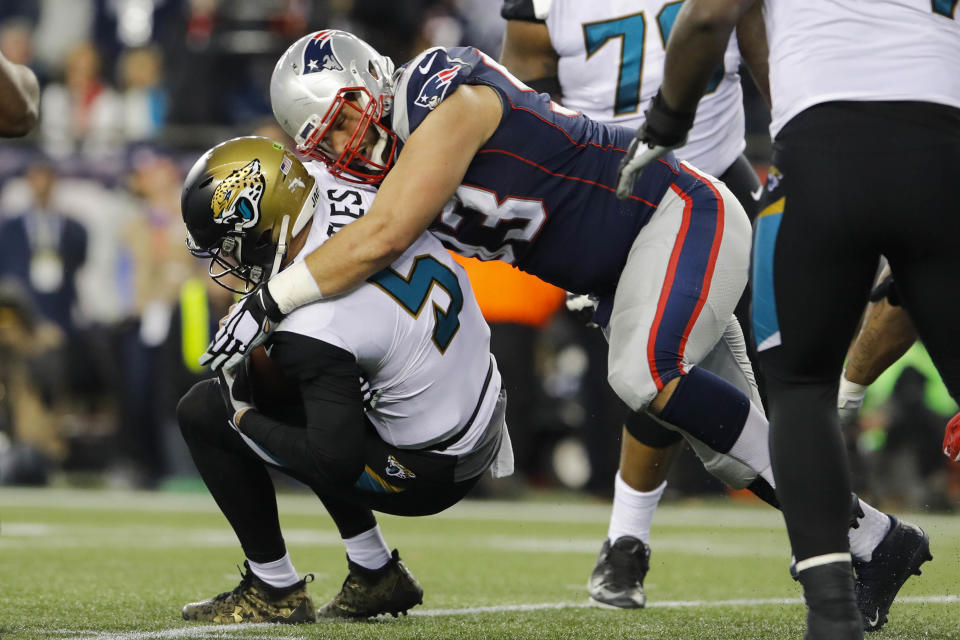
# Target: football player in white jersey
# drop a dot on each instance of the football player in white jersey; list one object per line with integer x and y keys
{"x": 605, "y": 58}
{"x": 395, "y": 404}
{"x": 866, "y": 122}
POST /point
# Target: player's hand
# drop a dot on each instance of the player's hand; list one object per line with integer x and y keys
{"x": 236, "y": 390}
{"x": 849, "y": 400}
{"x": 664, "y": 129}
{"x": 951, "y": 439}
{"x": 582, "y": 306}
{"x": 247, "y": 326}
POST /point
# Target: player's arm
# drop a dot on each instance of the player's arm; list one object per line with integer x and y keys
{"x": 426, "y": 175}
{"x": 19, "y": 99}
{"x": 752, "y": 39}
{"x": 528, "y": 53}
{"x": 887, "y": 333}
{"x": 329, "y": 450}
{"x": 696, "y": 47}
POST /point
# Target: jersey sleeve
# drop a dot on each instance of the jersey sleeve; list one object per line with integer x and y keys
{"x": 520, "y": 10}
{"x": 427, "y": 80}
{"x": 328, "y": 450}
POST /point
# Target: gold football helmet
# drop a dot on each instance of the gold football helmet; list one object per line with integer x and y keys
{"x": 242, "y": 202}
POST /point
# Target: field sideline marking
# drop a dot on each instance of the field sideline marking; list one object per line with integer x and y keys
{"x": 222, "y": 632}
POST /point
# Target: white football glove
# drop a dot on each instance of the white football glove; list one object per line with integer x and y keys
{"x": 246, "y": 326}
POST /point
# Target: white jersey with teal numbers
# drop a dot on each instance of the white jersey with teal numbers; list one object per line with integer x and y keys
{"x": 868, "y": 50}
{"x": 611, "y": 55}
{"x": 414, "y": 328}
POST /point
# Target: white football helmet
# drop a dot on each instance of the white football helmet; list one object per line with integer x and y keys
{"x": 319, "y": 75}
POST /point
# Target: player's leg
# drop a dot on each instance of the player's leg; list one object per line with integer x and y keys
{"x": 646, "y": 452}
{"x": 377, "y": 580}
{"x": 742, "y": 180}
{"x": 270, "y": 589}
{"x": 674, "y": 300}
{"x": 812, "y": 273}
{"x": 408, "y": 483}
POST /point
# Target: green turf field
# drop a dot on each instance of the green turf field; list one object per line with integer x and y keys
{"x": 101, "y": 565}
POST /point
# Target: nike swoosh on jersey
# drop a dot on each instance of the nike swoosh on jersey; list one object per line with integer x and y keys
{"x": 426, "y": 66}
{"x": 756, "y": 194}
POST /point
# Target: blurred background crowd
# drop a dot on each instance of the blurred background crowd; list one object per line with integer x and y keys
{"x": 103, "y": 312}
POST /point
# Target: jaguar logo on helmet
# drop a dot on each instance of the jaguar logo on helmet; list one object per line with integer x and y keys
{"x": 318, "y": 54}
{"x": 436, "y": 87}
{"x": 237, "y": 197}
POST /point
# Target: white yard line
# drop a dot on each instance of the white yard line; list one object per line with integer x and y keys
{"x": 254, "y": 630}
{"x": 664, "y": 604}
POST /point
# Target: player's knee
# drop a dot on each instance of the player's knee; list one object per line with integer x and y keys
{"x": 193, "y": 410}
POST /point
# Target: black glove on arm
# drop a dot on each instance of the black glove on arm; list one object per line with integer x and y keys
{"x": 664, "y": 126}
{"x": 663, "y": 130}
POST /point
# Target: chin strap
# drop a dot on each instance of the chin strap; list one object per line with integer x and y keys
{"x": 281, "y": 246}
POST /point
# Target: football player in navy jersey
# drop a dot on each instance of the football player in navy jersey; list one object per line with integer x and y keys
{"x": 497, "y": 171}
{"x": 863, "y": 130}
{"x": 602, "y": 58}
{"x": 386, "y": 399}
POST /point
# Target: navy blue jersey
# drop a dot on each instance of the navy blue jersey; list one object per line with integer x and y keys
{"x": 540, "y": 193}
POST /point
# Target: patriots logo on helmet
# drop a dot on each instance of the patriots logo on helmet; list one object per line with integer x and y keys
{"x": 318, "y": 54}
{"x": 435, "y": 88}
{"x": 237, "y": 197}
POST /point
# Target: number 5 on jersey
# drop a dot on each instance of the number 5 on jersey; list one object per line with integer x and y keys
{"x": 413, "y": 291}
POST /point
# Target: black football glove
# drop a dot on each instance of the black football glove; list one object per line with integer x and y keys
{"x": 247, "y": 326}
{"x": 664, "y": 129}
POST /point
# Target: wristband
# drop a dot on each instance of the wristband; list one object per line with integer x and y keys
{"x": 851, "y": 394}
{"x": 294, "y": 287}
{"x": 665, "y": 126}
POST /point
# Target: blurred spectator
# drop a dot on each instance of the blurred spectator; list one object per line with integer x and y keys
{"x": 19, "y": 88}
{"x": 483, "y": 27}
{"x": 31, "y": 440}
{"x": 160, "y": 265}
{"x": 61, "y": 26}
{"x": 83, "y": 113}
{"x": 143, "y": 95}
{"x": 44, "y": 249}
{"x": 902, "y": 444}
{"x": 390, "y": 26}
{"x": 15, "y": 41}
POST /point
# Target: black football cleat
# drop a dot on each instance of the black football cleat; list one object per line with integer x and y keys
{"x": 897, "y": 557}
{"x": 253, "y": 600}
{"x": 832, "y": 612}
{"x": 369, "y": 592}
{"x": 617, "y": 580}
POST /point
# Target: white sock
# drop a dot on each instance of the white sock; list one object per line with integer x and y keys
{"x": 632, "y": 511}
{"x": 874, "y": 525}
{"x": 279, "y": 573}
{"x": 368, "y": 549}
{"x": 753, "y": 446}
